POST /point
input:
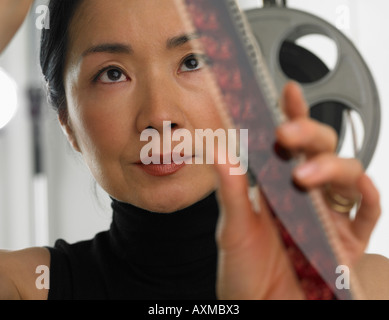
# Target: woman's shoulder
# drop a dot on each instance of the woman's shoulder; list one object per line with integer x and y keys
{"x": 373, "y": 276}
{"x": 24, "y": 273}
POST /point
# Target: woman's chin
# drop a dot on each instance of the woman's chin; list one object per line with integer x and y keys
{"x": 168, "y": 201}
{"x": 166, "y": 195}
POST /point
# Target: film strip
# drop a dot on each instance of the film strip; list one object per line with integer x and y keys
{"x": 246, "y": 98}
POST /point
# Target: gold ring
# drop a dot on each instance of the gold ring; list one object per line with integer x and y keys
{"x": 339, "y": 203}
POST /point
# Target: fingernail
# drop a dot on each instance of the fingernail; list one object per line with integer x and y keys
{"x": 306, "y": 170}
{"x": 291, "y": 128}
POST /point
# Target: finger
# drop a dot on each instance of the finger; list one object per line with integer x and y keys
{"x": 293, "y": 101}
{"x": 369, "y": 210}
{"x": 308, "y": 136}
{"x": 348, "y": 179}
{"x": 328, "y": 168}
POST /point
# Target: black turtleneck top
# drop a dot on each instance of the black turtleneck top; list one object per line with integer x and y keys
{"x": 144, "y": 255}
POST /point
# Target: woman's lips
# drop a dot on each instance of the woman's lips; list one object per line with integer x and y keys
{"x": 162, "y": 169}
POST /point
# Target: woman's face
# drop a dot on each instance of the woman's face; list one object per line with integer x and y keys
{"x": 131, "y": 66}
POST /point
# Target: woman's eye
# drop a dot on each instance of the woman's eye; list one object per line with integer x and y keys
{"x": 192, "y": 63}
{"x": 112, "y": 76}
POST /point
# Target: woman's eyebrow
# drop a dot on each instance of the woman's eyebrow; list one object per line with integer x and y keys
{"x": 181, "y": 40}
{"x": 108, "y": 48}
{"x": 171, "y": 43}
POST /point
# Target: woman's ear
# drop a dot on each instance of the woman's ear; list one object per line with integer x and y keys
{"x": 67, "y": 129}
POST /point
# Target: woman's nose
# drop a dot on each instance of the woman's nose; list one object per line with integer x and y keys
{"x": 160, "y": 102}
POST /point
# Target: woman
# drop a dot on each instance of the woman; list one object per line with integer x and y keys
{"x": 117, "y": 68}
{"x": 12, "y": 14}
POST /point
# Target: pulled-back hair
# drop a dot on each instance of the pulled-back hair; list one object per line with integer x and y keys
{"x": 54, "y": 45}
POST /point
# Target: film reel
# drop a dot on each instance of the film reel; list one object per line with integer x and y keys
{"x": 329, "y": 93}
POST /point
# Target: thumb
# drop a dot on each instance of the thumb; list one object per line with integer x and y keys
{"x": 236, "y": 213}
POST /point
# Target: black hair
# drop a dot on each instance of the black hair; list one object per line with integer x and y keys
{"x": 54, "y": 45}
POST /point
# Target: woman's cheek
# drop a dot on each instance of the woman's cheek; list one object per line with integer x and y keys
{"x": 206, "y": 115}
{"x": 104, "y": 117}
{"x": 199, "y": 102}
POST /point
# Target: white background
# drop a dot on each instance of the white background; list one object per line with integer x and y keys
{"x": 77, "y": 208}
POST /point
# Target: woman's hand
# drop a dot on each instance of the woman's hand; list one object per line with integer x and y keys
{"x": 12, "y": 15}
{"x": 253, "y": 263}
